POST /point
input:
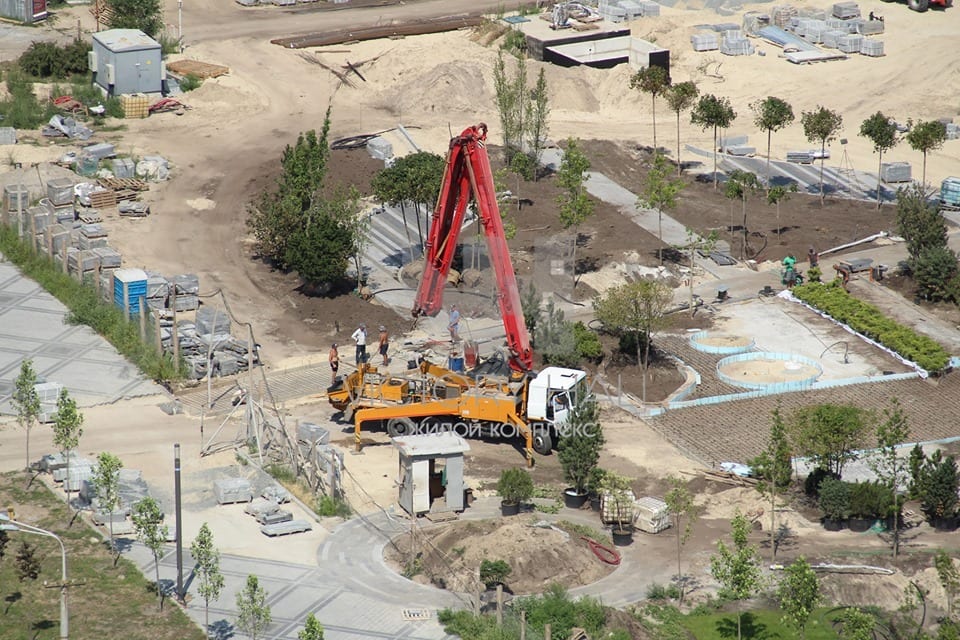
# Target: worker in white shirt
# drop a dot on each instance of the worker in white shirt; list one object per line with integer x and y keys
{"x": 360, "y": 337}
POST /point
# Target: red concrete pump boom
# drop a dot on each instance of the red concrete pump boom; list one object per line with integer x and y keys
{"x": 467, "y": 175}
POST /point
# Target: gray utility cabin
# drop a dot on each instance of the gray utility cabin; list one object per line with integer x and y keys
{"x": 126, "y": 61}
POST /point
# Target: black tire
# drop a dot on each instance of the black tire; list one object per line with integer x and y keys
{"x": 919, "y": 5}
{"x": 542, "y": 442}
{"x": 397, "y": 427}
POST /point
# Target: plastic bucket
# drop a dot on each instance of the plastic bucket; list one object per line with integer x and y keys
{"x": 456, "y": 364}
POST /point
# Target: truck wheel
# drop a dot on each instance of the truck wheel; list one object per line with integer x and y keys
{"x": 542, "y": 442}
{"x": 919, "y": 5}
{"x": 397, "y": 427}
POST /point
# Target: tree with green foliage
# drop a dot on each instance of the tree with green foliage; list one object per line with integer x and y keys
{"x": 106, "y": 479}
{"x": 696, "y": 242}
{"x": 821, "y": 125}
{"x": 26, "y": 400}
{"x": 882, "y": 132}
{"x": 926, "y": 137}
{"x": 276, "y": 218}
{"x": 660, "y": 192}
{"x": 711, "y": 112}
{"x": 829, "y": 434}
{"x": 656, "y": 81}
{"x": 312, "y": 629}
{"x": 680, "y": 97}
{"x": 321, "y": 250}
{"x": 538, "y": 121}
{"x": 932, "y": 263}
{"x": 737, "y": 568}
{"x": 684, "y": 513}
{"x": 145, "y": 15}
{"x": 67, "y": 429}
{"x": 207, "y": 570}
{"x": 148, "y": 523}
{"x": 555, "y": 339}
{"x": 892, "y": 470}
{"x": 799, "y": 594}
{"x": 857, "y": 624}
{"x": 777, "y": 194}
{"x": 254, "y": 612}
{"x": 773, "y": 469}
{"x": 531, "y": 304}
{"x": 771, "y": 114}
{"x": 740, "y": 185}
{"x": 508, "y": 105}
{"x": 580, "y": 443}
{"x": 936, "y": 487}
{"x": 638, "y": 308}
{"x": 575, "y": 205}
{"x": 949, "y": 577}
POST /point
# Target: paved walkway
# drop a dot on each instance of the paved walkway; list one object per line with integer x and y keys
{"x": 33, "y": 325}
{"x": 353, "y": 592}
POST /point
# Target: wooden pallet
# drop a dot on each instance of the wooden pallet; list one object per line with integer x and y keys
{"x": 133, "y": 184}
{"x": 90, "y": 218}
{"x": 127, "y": 194}
{"x": 103, "y": 199}
{"x": 202, "y": 70}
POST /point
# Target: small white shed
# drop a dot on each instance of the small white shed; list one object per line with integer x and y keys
{"x": 126, "y": 61}
{"x": 431, "y": 470}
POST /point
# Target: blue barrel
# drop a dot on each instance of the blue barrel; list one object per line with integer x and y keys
{"x": 456, "y": 364}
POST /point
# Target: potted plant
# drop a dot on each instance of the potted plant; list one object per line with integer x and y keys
{"x": 578, "y": 449}
{"x": 618, "y": 507}
{"x": 494, "y": 572}
{"x": 515, "y": 486}
{"x": 595, "y": 486}
{"x": 867, "y": 504}
{"x": 835, "y": 503}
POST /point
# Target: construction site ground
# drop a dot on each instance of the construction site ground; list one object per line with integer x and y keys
{"x": 226, "y": 149}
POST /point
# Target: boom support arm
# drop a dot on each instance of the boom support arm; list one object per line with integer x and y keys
{"x": 468, "y": 175}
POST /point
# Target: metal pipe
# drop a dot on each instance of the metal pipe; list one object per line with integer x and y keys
{"x": 179, "y": 524}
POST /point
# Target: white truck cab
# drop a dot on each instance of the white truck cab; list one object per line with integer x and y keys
{"x": 553, "y": 393}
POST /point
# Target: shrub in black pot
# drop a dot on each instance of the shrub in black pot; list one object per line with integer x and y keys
{"x": 594, "y": 486}
{"x": 515, "y": 486}
{"x": 618, "y": 507}
{"x": 835, "y": 503}
{"x": 863, "y": 504}
{"x": 578, "y": 450}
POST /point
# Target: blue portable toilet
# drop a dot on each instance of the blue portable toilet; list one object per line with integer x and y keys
{"x": 130, "y": 289}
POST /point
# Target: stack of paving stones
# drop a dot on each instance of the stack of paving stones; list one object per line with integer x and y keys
{"x": 705, "y": 41}
{"x": 209, "y": 337}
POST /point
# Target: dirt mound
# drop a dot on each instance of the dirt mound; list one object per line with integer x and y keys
{"x": 450, "y": 556}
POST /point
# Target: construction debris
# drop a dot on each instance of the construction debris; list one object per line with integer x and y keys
{"x": 202, "y": 70}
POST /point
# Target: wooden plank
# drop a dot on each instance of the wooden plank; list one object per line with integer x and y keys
{"x": 103, "y": 199}
{"x": 202, "y": 70}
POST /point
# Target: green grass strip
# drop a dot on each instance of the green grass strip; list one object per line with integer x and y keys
{"x": 86, "y": 308}
{"x": 864, "y": 318}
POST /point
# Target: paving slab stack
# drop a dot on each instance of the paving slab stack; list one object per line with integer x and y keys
{"x": 60, "y": 197}
{"x": 893, "y": 172}
{"x": 633, "y": 9}
{"x": 187, "y": 287}
{"x": 950, "y": 192}
{"x": 800, "y": 157}
{"x": 123, "y": 168}
{"x": 231, "y": 490}
{"x": 850, "y": 43}
{"x": 734, "y": 43}
{"x": 846, "y": 10}
{"x": 783, "y": 14}
{"x": 871, "y": 27}
{"x": 953, "y": 131}
{"x": 48, "y": 394}
{"x": 8, "y": 135}
{"x": 705, "y": 41}
{"x": 872, "y": 48}
{"x": 831, "y": 38}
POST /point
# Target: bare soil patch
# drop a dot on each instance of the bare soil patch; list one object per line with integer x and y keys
{"x": 537, "y": 555}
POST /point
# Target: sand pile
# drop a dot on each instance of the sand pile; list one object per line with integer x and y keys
{"x": 537, "y": 556}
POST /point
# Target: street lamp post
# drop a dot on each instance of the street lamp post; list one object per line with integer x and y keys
{"x": 7, "y": 524}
